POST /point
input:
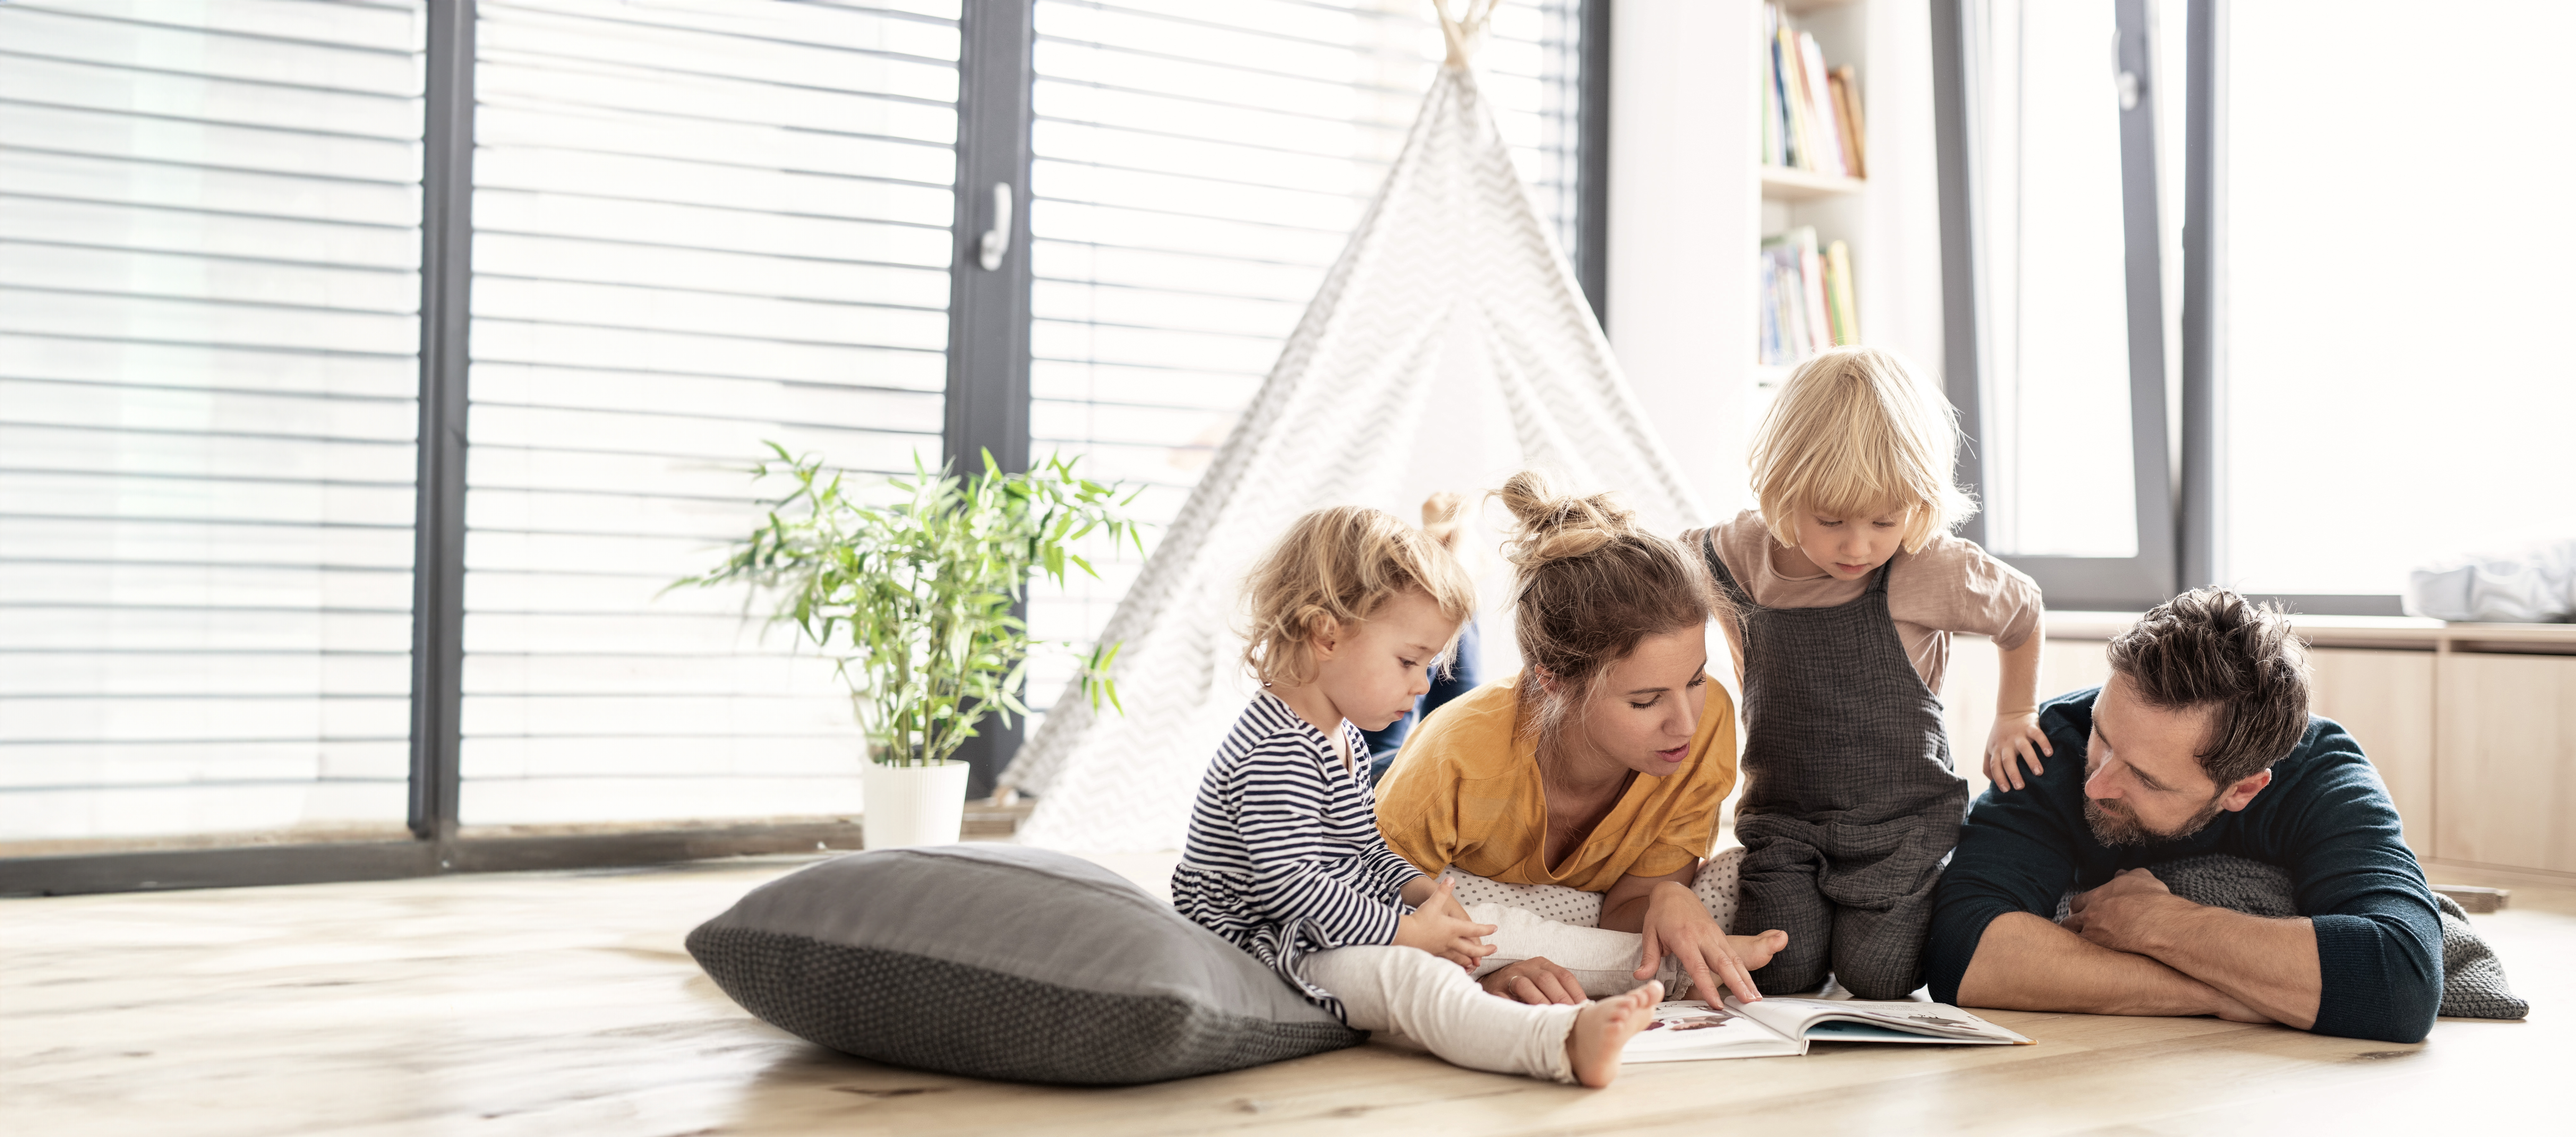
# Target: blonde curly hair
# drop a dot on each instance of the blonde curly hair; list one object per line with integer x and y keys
{"x": 1336, "y": 566}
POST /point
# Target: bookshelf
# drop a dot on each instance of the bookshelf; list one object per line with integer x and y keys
{"x": 1692, "y": 204}
{"x": 1782, "y": 183}
{"x": 1814, "y": 128}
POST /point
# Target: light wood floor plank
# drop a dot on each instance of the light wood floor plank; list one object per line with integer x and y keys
{"x": 562, "y": 1003}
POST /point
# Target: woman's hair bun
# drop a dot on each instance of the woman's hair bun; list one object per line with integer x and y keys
{"x": 1589, "y": 584}
{"x": 1555, "y": 526}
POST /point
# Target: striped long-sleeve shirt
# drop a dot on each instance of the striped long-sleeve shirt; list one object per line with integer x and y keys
{"x": 1284, "y": 856}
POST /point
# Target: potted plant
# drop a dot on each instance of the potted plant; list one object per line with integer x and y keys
{"x": 910, "y": 591}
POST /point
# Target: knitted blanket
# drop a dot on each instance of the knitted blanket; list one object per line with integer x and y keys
{"x": 2473, "y": 983}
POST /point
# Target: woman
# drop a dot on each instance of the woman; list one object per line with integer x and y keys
{"x": 1601, "y": 767}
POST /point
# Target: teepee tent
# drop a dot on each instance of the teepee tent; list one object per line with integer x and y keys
{"x": 1448, "y": 347}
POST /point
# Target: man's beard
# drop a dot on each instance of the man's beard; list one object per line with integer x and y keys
{"x": 2124, "y": 828}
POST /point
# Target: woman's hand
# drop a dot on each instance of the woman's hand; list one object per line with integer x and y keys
{"x": 2016, "y": 733}
{"x": 1439, "y": 925}
{"x": 1679, "y": 926}
{"x": 1537, "y": 981}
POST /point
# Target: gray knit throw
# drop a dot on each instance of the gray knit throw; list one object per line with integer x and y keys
{"x": 2473, "y": 985}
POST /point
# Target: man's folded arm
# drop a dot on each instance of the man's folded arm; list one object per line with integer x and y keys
{"x": 2379, "y": 938}
{"x": 2013, "y": 857}
{"x": 2026, "y": 963}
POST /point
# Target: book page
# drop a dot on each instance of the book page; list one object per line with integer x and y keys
{"x": 1689, "y": 1029}
{"x": 1795, "y": 1017}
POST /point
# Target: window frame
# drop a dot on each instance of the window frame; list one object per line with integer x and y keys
{"x": 988, "y": 408}
{"x": 2177, "y": 500}
{"x": 2074, "y": 583}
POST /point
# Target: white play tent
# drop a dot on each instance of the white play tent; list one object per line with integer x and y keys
{"x": 1448, "y": 347}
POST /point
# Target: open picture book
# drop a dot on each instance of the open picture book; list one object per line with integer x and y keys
{"x": 1687, "y": 1030}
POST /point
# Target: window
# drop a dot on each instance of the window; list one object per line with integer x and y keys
{"x": 2388, "y": 389}
{"x": 681, "y": 229}
{"x": 1197, "y": 170}
{"x": 699, "y": 227}
{"x": 2059, "y": 365}
{"x": 209, "y": 284}
{"x": 2057, "y": 423}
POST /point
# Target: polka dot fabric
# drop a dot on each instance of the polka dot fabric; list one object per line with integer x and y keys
{"x": 1715, "y": 887}
{"x": 932, "y": 1014}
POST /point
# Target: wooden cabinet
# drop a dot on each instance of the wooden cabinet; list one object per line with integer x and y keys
{"x": 2473, "y": 730}
{"x": 2385, "y": 699}
{"x": 2505, "y": 787}
{"x": 1968, "y": 692}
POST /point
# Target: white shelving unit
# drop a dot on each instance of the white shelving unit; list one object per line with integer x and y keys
{"x": 1690, "y": 204}
{"x": 1780, "y": 183}
{"x": 1832, "y": 203}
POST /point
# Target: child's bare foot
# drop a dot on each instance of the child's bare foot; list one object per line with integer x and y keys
{"x": 1602, "y": 1029}
{"x": 1755, "y": 951}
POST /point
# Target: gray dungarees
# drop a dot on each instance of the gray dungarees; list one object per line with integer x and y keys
{"x": 1850, "y": 804}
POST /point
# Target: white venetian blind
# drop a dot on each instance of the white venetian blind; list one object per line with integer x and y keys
{"x": 1197, "y": 169}
{"x": 209, "y": 254}
{"x": 700, "y": 225}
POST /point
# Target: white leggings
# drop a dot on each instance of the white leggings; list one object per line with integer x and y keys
{"x": 1561, "y": 924}
{"x": 1419, "y": 997}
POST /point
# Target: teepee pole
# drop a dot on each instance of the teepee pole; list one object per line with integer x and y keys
{"x": 1465, "y": 32}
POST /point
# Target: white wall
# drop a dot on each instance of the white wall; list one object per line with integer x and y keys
{"x": 1686, "y": 211}
{"x": 1684, "y": 125}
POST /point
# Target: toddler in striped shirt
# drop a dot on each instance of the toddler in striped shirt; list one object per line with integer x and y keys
{"x": 1284, "y": 857}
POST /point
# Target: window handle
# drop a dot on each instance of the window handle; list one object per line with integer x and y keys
{"x": 997, "y": 240}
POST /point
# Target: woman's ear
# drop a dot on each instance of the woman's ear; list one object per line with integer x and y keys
{"x": 1546, "y": 681}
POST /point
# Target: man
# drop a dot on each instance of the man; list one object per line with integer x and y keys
{"x": 2200, "y": 743}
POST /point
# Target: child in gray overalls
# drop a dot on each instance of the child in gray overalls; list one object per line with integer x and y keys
{"x": 1847, "y": 586}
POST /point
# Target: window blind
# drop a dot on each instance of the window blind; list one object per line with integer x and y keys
{"x": 209, "y": 255}
{"x": 1197, "y": 168}
{"x": 699, "y": 227}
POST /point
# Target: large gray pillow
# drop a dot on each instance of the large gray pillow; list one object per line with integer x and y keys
{"x": 996, "y": 961}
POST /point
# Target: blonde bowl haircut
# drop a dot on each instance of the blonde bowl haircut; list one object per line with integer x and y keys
{"x": 1587, "y": 585}
{"x": 1336, "y": 566}
{"x": 1856, "y": 432}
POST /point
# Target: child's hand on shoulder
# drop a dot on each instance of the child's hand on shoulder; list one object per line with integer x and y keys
{"x": 2016, "y": 735}
{"x": 1439, "y": 925}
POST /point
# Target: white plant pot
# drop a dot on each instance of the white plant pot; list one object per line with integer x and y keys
{"x": 913, "y": 805}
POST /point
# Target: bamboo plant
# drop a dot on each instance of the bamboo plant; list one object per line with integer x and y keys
{"x": 913, "y": 600}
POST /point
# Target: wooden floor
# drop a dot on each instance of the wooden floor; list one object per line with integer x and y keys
{"x": 561, "y": 1003}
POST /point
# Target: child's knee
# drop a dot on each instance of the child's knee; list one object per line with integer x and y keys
{"x": 1791, "y": 971}
{"x": 1411, "y": 967}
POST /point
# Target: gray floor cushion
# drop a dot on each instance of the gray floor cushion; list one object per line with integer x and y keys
{"x": 997, "y": 961}
{"x": 2473, "y": 984}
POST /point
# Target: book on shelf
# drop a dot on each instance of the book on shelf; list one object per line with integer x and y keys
{"x": 1807, "y": 297}
{"x": 1846, "y": 85}
{"x": 1811, "y": 116}
{"x": 1690, "y": 1029}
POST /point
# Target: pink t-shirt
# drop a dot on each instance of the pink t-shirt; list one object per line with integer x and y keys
{"x": 1951, "y": 585}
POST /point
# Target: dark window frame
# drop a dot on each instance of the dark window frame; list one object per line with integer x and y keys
{"x": 2117, "y": 583}
{"x": 2177, "y": 509}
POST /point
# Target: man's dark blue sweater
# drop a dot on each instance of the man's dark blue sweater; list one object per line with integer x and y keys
{"x": 2325, "y": 818}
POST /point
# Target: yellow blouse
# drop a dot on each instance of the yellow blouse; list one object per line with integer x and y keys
{"x": 1465, "y": 791}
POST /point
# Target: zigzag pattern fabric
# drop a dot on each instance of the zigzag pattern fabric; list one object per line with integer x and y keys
{"x": 1451, "y": 292}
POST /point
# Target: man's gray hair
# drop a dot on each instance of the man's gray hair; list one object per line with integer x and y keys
{"x": 2210, "y": 647}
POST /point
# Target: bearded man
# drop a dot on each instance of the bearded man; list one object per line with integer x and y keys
{"x": 2200, "y": 745}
